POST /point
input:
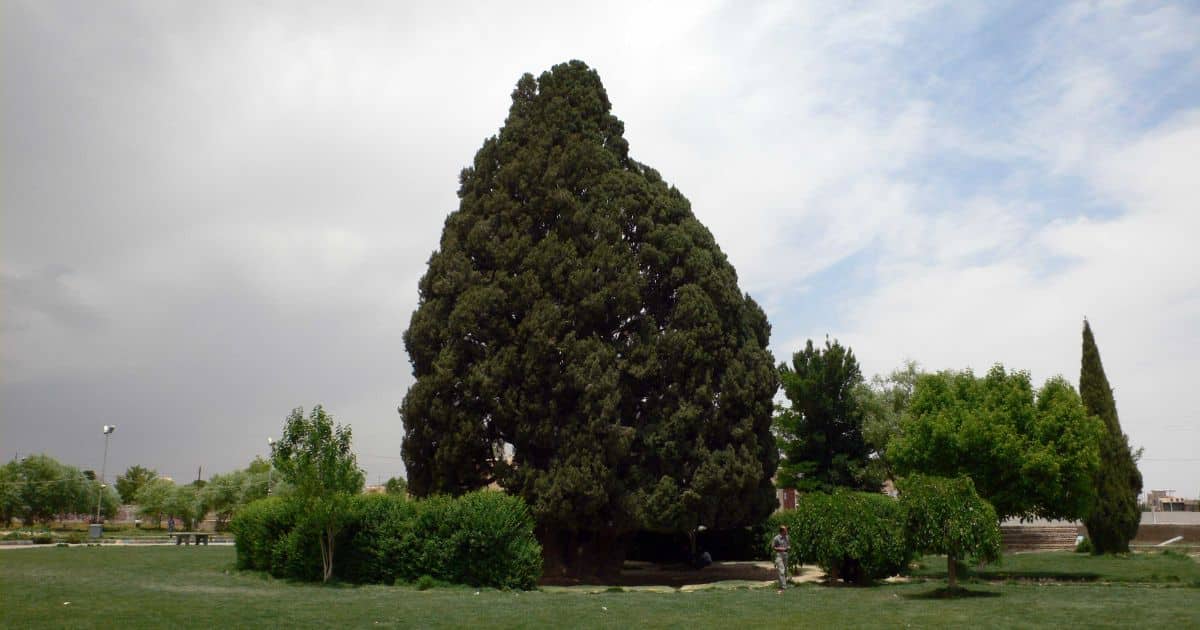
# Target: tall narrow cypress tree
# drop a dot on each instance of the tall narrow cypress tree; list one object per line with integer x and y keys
{"x": 581, "y": 341}
{"x": 1114, "y": 520}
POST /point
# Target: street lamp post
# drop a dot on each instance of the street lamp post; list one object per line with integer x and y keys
{"x": 108, "y": 429}
{"x": 270, "y": 463}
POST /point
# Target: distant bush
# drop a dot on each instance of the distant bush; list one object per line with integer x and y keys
{"x": 43, "y": 538}
{"x": 482, "y": 539}
{"x": 856, "y": 537}
{"x": 1083, "y": 546}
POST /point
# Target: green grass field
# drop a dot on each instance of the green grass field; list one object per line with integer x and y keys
{"x": 1153, "y": 567}
{"x": 143, "y": 587}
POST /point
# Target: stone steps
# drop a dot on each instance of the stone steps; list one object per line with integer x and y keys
{"x": 1038, "y": 537}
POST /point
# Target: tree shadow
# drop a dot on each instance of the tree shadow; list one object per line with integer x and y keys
{"x": 948, "y": 593}
{"x": 1002, "y": 575}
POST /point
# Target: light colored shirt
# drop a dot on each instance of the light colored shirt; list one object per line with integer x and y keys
{"x": 781, "y": 544}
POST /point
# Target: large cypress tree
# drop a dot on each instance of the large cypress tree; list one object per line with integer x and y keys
{"x": 1114, "y": 519}
{"x": 581, "y": 340}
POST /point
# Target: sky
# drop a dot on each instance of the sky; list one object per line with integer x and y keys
{"x": 212, "y": 213}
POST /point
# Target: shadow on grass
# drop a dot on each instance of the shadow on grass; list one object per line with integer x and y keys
{"x": 1000, "y": 575}
{"x": 948, "y": 593}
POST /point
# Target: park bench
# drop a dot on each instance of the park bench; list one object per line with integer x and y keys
{"x": 186, "y": 538}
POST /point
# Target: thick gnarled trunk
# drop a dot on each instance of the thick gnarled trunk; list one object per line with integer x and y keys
{"x": 580, "y": 556}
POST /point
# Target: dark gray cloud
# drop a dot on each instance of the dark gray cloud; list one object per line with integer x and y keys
{"x": 213, "y": 212}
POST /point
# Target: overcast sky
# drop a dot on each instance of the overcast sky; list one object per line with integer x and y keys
{"x": 213, "y": 212}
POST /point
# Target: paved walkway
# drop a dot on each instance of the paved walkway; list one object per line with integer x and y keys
{"x": 669, "y": 578}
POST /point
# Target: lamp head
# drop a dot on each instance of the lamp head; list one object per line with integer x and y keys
{"x": 109, "y": 428}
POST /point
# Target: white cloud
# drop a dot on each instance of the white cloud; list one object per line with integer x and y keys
{"x": 245, "y": 195}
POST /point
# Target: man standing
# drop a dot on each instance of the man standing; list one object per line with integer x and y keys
{"x": 781, "y": 544}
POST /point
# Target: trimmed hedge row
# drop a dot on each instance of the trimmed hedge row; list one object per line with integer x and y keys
{"x": 483, "y": 539}
{"x": 857, "y": 537}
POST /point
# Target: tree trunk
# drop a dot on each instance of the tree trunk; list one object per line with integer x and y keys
{"x": 581, "y": 555}
{"x": 951, "y": 561}
{"x": 327, "y": 554}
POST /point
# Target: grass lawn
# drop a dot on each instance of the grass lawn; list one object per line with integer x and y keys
{"x": 1153, "y": 567}
{"x": 141, "y": 587}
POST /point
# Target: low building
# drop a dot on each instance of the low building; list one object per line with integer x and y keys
{"x": 1167, "y": 501}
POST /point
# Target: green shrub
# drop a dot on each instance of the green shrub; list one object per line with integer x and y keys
{"x": 74, "y": 538}
{"x": 856, "y": 537}
{"x": 425, "y": 582}
{"x": 381, "y": 539}
{"x": 42, "y": 538}
{"x": 297, "y": 555}
{"x": 257, "y": 527}
{"x": 482, "y": 539}
{"x": 1083, "y": 546}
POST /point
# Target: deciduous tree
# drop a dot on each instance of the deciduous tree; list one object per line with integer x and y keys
{"x": 1030, "y": 455}
{"x": 946, "y": 516}
{"x": 314, "y": 456}
{"x": 154, "y": 498}
{"x": 397, "y": 486}
{"x": 134, "y": 478}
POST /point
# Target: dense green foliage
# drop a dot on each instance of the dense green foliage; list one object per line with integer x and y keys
{"x": 856, "y": 537}
{"x": 578, "y": 317}
{"x": 884, "y": 400}
{"x": 1029, "y": 455}
{"x": 40, "y": 489}
{"x": 946, "y": 516}
{"x": 397, "y": 486}
{"x": 314, "y": 456}
{"x": 483, "y": 539}
{"x": 161, "y": 498}
{"x": 134, "y": 478}
{"x": 225, "y": 494}
{"x": 257, "y": 527}
{"x": 820, "y": 432}
{"x": 153, "y": 499}
{"x": 1114, "y": 518}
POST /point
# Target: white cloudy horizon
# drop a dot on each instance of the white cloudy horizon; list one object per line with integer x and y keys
{"x": 214, "y": 213}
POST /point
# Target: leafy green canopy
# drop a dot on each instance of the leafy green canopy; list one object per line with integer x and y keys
{"x": 39, "y": 489}
{"x": 314, "y": 456}
{"x": 1115, "y": 517}
{"x": 1030, "y": 456}
{"x": 947, "y": 516}
{"x": 884, "y": 401}
{"x": 820, "y": 434}
{"x": 580, "y": 337}
{"x": 134, "y": 478}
